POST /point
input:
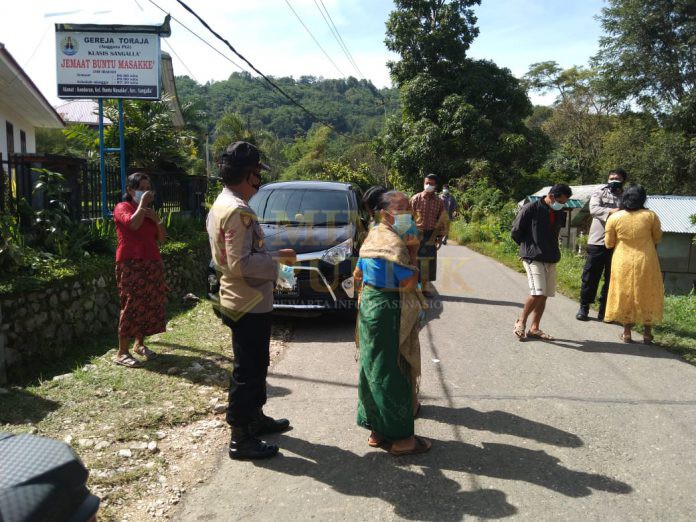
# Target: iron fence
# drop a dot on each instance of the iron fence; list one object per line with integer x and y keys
{"x": 175, "y": 191}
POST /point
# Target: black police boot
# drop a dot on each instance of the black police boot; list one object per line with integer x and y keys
{"x": 244, "y": 446}
{"x": 263, "y": 424}
{"x": 583, "y": 312}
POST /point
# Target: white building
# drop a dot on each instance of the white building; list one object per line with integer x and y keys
{"x": 22, "y": 109}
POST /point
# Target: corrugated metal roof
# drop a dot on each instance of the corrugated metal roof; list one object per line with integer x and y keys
{"x": 580, "y": 192}
{"x": 571, "y": 203}
{"x": 81, "y": 111}
{"x": 674, "y": 212}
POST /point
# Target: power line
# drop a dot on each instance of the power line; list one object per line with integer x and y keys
{"x": 342, "y": 44}
{"x": 200, "y": 38}
{"x": 253, "y": 67}
{"x": 313, "y": 38}
{"x": 337, "y": 36}
{"x": 169, "y": 46}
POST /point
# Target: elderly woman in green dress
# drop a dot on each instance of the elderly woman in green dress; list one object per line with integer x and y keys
{"x": 388, "y": 324}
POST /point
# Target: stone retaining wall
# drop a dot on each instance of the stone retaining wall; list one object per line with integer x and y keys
{"x": 43, "y": 325}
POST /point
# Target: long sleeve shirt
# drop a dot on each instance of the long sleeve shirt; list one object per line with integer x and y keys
{"x": 247, "y": 271}
{"x": 601, "y": 203}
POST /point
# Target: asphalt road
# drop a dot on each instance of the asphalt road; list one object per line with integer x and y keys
{"x": 584, "y": 428}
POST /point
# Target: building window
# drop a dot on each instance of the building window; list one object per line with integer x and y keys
{"x": 10, "y": 138}
{"x": 22, "y": 141}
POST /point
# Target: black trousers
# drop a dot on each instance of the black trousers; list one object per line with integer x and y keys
{"x": 427, "y": 257}
{"x": 598, "y": 262}
{"x": 251, "y": 338}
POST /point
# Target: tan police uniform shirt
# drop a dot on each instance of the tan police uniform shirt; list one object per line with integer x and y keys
{"x": 246, "y": 270}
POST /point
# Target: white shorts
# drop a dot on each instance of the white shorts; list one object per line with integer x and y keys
{"x": 541, "y": 277}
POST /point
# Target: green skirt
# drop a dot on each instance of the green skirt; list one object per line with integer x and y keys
{"x": 385, "y": 392}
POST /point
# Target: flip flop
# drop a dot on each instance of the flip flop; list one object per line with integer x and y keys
{"x": 127, "y": 360}
{"x": 518, "y": 330}
{"x": 538, "y": 334}
{"x": 376, "y": 443}
{"x": 422, "y": 445}
{"x": 625, "y": 338}
{"x": 145, "y": 352}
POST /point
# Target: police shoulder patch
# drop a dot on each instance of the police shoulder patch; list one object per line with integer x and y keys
{"x": 246, "y": 219}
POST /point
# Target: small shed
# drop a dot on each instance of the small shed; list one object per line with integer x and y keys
{"x": 677, "y": 250}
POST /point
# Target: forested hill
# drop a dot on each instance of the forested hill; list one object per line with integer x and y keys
{"x": 350, "y": 105}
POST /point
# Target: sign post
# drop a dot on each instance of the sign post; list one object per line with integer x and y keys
{"x": 109, "y": 62}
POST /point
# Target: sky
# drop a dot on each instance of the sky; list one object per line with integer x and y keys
{"x": 513, "y": 34}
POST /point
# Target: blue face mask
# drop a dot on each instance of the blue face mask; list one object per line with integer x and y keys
{"x": 138, "y": 195}
{"x": 402, "y": 222}
{"x": 557, "y": 206}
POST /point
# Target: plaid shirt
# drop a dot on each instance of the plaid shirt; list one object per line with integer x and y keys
{"x": 429, "y": 212}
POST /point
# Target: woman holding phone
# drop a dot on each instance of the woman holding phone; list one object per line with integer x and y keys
{"x": 139, "y": 270}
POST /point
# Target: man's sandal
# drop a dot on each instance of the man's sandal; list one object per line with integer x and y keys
{"x": 518, "y": 330}
{"x": 145, "y": 352}
{"x": 538, "y": 334}
{"x": 127, "y": 360}
{"x": 421, "y": 446}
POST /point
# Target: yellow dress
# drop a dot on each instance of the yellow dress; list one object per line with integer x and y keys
{"x": 636, "y": 291}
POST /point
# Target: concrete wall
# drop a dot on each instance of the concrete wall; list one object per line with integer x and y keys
{"x": 43, "y": 325}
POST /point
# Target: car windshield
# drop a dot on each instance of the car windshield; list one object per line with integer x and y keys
{"x": 302, "y": 207}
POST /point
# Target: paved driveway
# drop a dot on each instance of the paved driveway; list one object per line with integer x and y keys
{"x": 584, "y": 428}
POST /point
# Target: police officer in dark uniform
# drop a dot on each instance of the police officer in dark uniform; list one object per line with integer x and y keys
{"x": 247, "y": 273}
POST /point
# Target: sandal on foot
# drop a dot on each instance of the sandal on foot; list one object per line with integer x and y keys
{"x": 538, "y": 334}
{"x": 625, "y": 338}
{"x": 127, "y": 360}
{"x": 647, "y": 339}
{"x": 145, "y": 352}
{"x": 518, "y": 330}
{"x": 422, "y": 445}
{"x": 375, "y": 441}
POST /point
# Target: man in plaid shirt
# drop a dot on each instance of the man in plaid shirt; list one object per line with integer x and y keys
{"x": 432, "y": 223}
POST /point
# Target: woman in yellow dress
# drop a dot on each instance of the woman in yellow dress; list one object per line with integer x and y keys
{"x": 636, "y": 291}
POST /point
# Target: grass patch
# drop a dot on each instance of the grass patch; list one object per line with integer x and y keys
{"x": 677, "y": 333}
{"x": 98, "y": 401}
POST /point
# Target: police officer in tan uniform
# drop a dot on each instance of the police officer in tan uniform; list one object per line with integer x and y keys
{"x": 247, "y": 273}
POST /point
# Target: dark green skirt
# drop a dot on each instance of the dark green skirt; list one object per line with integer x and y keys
{"x": 384, "y": 389}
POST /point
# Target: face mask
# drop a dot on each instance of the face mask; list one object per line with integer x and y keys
{"x": 445, "y": 191}
{"x": 557, "y": 206}
{"x": 402, "y": 222}
{"x": 615, "y": 184}
{"x": 256, "y": 186}
{"x": 429, "y": 188}
{"x": 138, "y": 195}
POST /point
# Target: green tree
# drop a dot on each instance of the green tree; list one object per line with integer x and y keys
{"x": 460, "y": 117}
{"x": 647, "y": 56}
{"x": 664, "y": 162}
{"x": 580, "y": 118}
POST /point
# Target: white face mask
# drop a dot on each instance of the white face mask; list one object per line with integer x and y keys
{"x": 429, "y": 188}
{"x": 445, "y": 191}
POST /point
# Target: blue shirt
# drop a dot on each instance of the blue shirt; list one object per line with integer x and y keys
{"x": 381, "y": 273}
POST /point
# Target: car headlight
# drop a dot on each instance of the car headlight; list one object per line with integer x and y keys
{"x": 340, "y": 252}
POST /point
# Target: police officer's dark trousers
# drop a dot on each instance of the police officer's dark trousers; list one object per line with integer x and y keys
{"x": 251, "y": 337}
{"x": 598, "y": 262}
